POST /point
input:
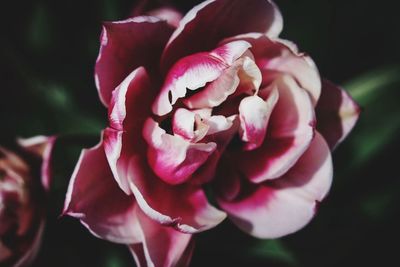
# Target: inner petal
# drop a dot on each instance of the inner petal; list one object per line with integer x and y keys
{"x": 242, "y": 77}
{"x": 171, "y": 157}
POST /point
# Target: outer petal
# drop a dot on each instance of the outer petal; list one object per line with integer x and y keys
{"x": 290, "y": 131}
{"x": 254, "y": 114}
{"x": 173, "y": 158}
{"x": 283, "y": 206}
{"x": 337, "y": 113}
{"x": 125, "y": 46}
{"x": 211, "y": 21}
{"x": 161, "y": 246}
{"x": 94, "y": 197}
{"x": 126, "y": 152}
{"x": 128, "y": 111}
{"x": 277, "y": 56}
{"x": 194, "y": 71}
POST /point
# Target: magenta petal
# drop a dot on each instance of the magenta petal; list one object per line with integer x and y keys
{"x": 161, "y": 246}
{"x": 195, "y": 71}
{"x": 129, "y": 108}
{"x": 283, "y": 206}
{"x": 171, "y": 157}
{"x": 337, "y": 113}
{"x": 211, "y": 21}
{"x": 125, "y": 46}
{"x": 94, "y": 197}
{"x": 290, "y": 131}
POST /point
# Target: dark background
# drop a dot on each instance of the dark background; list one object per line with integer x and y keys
{"x": 47, "y": 55}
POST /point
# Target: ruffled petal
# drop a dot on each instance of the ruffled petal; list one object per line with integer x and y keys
{"x": 277, "y": 56}
{"x": 161, "y": 246}
{"x": 283, "y": 206}
{"x": 244, "y": 71}
{"x": 290, "y": 131}
{"x": 195, "y": 71}
{"x": 94, "y": 197}
{"x": 125, "y": 46}
{"x": 211, "y": 21}
{"x": 171, "y": 157}
{"x": 337, "y": 113}
{"x": 254, "y": 114}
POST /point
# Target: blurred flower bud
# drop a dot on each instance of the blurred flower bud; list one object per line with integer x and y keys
{"x": 21, "y": 203}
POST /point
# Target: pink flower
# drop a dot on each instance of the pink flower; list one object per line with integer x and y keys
{"x": 220, "y": 100}
{"x": 22, "y": 192}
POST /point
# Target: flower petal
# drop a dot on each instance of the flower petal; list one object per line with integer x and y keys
{"x": 94, "y": 197}
{"x": 195, "y": 71}
{"x": 125, "y": 46}
{"x": 290, "y": 131}
{"x": 254, "y": 114}
{"x": 211, "y": 21}
{"x": 283, "y": 206}
{"x": 126, "y": 153}
{"x": 277, "y": 56}
{"x": 337, "y": 113}
{"x": 129, "y": 108}
{"x": 243, "y": 71}
{"x": 161, "y": 246}
{"x": 171, "y": 157}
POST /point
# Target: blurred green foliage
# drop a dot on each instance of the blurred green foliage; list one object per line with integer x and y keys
{"x": 48, "y": 49}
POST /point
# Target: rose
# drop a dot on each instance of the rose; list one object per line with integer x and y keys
{"x": 218, "y": 101}
{"x": 22, "y": 192}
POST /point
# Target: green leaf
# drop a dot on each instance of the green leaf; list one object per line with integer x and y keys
{"x": 378, "y": 93}
{"x": 274, "y": 250}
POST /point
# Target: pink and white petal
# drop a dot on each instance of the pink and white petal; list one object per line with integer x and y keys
{"x": 173, "y": 158}
{"x": 243, "y": 71}
{"x": 125, "y": 46}
{"x": 41, "y": 146}
{"x": 218, "y": 124}
{"x": 275, "y": 56}
{"x": 337, "y": 113}
{"x": 94, "y": 197}
{"x": 195, "y": 71}
{"x": 183, "y": 123}
{"x": 129, "y": 108}
{"x": 158, "y": 200}
{"x": 283, "y": 206}
{"x": 161, "y": 246}
{"x": 301, "y": 68}
{"x": 290, "y": 131}
{"x": 254, "y": 115}
{"x": 189, "y": 125}
{"x": 213, "y": 21}
{"x": 169, "y": 14}
{"x": 126, "y": 153}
